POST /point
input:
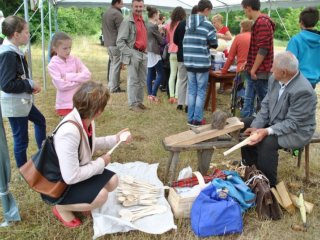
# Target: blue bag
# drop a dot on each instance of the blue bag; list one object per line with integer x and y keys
{"x": 237, "y": 189}
{"x": 212, "y": 215}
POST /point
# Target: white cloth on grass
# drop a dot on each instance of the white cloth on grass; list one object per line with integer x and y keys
{"x": 106, "y": 219}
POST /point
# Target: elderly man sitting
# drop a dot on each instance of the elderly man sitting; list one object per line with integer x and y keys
{"x": 286, "y": 118}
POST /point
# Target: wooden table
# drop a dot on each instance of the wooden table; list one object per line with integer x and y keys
{"x": 214, "y": 77}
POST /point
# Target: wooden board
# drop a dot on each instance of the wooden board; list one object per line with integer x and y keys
{"x": 190, "y": 137}
{"x": 285, "y": 198}
{"x": 277, "y": 196}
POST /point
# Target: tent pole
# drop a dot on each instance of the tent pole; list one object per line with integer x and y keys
{"x": 282, "y": 23}
{"x": 56, "y": 26}
{"x": 50, "y": 19}
{"x": 227, "y": 17}
{"x": 43, "y": 49}
{"x": 26, "y": 17}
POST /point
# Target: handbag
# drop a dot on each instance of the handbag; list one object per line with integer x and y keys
{"x": 42, "y": 171}
{"x": 214, "y": 214}
{"x": 267, "y": 205}
{"x": 165, "y": 54}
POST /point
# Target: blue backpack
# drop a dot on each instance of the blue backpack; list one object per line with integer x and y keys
{"x": 212, "y": 215}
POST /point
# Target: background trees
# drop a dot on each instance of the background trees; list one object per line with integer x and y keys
{"x": 87, "y": 21}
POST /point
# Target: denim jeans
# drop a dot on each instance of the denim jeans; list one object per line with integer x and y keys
{"x": 197, "y": 87}
{"x": 19, "y": 126}
{"x": 152, "y": 90}
{"x": 257, "y": 87}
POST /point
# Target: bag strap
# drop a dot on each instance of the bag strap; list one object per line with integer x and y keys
{"x": 74, "y": 123}
{"x": 200, "y": 178}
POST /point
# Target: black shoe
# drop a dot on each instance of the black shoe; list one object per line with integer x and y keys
{"x": 118, "y": 90}
{"x": 180, "y": 107}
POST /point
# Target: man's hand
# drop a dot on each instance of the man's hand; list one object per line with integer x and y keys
{"x": 36, "y": 89}
{"x": 257, "y": 136}
{"x": 249, "y": 131}
{"x": 253, "y": 75}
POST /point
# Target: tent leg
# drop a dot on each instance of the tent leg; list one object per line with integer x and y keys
{"x": 26, "y": 17}
{"x": 56, "y": 26}
{"x": 43, "y": 51}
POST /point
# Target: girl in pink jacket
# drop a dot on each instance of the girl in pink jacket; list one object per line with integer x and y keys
{"x": 67, "y": 72}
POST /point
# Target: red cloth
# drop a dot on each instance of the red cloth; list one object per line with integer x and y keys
{"x": 88, "y": 129}
{"x": 141, "y": 36}
{"x": 261, "y": 37}
{"x": 63, "y": 112}
{"x": 192, "y": 181}
{"x": 239, "y": 49}
{"x": 223, "y": 31}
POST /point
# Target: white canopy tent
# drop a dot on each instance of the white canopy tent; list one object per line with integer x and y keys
{"x": 218, "y": 6}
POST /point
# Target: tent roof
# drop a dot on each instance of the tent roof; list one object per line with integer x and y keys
{"x": 218, "y": 5}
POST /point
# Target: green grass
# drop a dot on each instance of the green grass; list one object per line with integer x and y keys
{"x": 148, "y": 129}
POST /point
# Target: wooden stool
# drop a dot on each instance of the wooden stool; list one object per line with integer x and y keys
{"x": 204, "y": 151}
{"x": 315, "y": 139}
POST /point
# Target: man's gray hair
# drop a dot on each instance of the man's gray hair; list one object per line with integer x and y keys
{"x": 286, "y": 61}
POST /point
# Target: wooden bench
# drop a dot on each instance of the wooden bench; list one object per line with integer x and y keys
{"x": 204, "y": 153}
{"x": 315, "y": 139}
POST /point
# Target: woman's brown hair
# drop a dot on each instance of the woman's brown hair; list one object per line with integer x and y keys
{"x": 12, "y": 24}
{"x": 90, "y": 99}
{"x": 177, "y": 15}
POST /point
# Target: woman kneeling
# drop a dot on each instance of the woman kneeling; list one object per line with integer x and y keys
{"x": 89, "y": 182}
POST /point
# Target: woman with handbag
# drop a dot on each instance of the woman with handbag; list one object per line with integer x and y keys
{"x": 89, "y": 182}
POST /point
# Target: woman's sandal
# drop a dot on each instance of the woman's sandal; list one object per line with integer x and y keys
{"x": 76, "y": 222}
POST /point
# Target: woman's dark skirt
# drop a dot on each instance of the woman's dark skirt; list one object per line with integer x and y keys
{"x": 82, "y": 192}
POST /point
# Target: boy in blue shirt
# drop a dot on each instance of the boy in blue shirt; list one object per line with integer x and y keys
{"x": 306, "y": 45}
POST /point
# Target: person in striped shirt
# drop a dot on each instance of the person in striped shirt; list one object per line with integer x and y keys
{"x": 199, "y": 36}
{"x": 260, "y": 56}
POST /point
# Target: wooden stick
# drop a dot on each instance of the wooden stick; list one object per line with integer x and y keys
{"x": 295, "y": 200}
{"x": 239, "y": 145}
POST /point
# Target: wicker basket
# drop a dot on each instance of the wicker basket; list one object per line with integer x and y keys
{"x": 181, "y": 206}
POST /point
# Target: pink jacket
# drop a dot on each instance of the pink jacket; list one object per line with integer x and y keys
{"x": 66, "y": 142}
{"x": 173, "y": 48}
{"x": 66, "y": 77}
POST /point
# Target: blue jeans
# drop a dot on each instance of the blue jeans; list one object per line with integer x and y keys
{"x": 158, "y": 68}
{"x": 19, "y": 126}
{"x": 197, "y": 87}
{"x": 257, "y": 87}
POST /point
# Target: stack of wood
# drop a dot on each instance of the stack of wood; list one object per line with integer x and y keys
{"x": 288, "y": 200}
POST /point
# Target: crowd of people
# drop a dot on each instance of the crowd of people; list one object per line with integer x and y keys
{"x": 283, "y": 84}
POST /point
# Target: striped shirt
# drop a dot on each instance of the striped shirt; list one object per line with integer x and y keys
{"x": 261, "y": 37}
{"x": 199, "y": 34}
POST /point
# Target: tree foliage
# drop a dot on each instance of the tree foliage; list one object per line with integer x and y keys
{"x": 87, "y": 21}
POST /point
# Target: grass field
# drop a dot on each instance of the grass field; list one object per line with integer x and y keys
{"x": 148, "y": 129}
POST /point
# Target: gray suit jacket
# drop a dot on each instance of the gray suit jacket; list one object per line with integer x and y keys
{"x": 292, "y": 117}
{"x": 111, "y": 21}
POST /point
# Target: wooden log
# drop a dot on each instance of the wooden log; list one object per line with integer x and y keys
{"x": 309, "y": 206}
{"x": 285, "y": 198}
{"x": 277, "y": 196}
